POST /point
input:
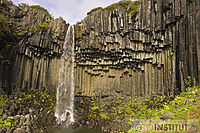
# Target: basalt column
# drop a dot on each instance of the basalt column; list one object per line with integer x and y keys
{"x": 150, "y": 52}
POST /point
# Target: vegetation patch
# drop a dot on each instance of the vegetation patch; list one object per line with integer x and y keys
{"x": 36, "y": 7}
{"x": 39, "y": 8}
{"x": 7, "y": 3}
{"x": 94, "y": 10}
{"x": 182, "y": 107}
{"x": 7, "y": 37}
{"x": 41, "y": 103}
{"x": 6, "y": 31}
{"x": 131, "y": 7}
{"x": 8, "y": 122}
{"x": 43, "y": 27}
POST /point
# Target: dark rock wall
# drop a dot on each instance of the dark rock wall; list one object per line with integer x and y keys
{"x": 152, "y": 52}
{"x": 116, "y": 53}
{"x": 34, "y": 56}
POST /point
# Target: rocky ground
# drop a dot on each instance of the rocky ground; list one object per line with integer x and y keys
{"x": 33, "y": 111}
{"x": 27, "y": 112}
{"x": 117, "y": 114}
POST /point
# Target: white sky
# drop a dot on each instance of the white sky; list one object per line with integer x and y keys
{"x": 71, "y": 10}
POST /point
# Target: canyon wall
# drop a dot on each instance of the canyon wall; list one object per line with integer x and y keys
{"x": 151, "y": 50}
{"x": 34, "y": 56}
{"x": 141, "y": 54}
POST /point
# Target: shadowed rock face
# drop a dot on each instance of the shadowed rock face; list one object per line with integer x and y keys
{"x": 35, "y": 54}
{"x": 140, "y": 55}
{"x": 117, "y": 53}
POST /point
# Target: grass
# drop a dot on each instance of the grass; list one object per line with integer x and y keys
{"x": 94, "y": 10}
{"x": 184, "y": 106}
{"x": 131, "y": 7}
{"x": 128, "y": 5}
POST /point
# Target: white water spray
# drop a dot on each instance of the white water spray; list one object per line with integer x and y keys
{"x": 65, "y": 90}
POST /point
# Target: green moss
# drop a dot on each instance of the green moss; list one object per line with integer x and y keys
{"x": 8, "y": 122}
{"x": 104, "y": 115}
{"x": 8, "y": 62}
{"x": 39, "y": 8}
{"x": 8, "y": 3}
{"x": 133, "y": 8}
{"x": 4, "y": 26}
{"x": 43, "y": 27}
{"x": 7, "y": 34}
{"x": 36, "y": 7}
{"x": 130, "y": 6}
{"x": 3, "y": 100}
{"x": 94, "y": 10}
{"x": 153, "y": 108}
{"x": 1, "y": 56}
{"x": 35, "y": 99}
{"x": 122, "y": 3}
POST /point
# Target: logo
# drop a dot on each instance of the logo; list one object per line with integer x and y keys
{"x": 164, "y": 125}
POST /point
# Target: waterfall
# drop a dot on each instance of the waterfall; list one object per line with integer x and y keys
{"x": 65, "y": 89}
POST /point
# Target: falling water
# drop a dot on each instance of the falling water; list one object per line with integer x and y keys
{"x": 65, "y": 89}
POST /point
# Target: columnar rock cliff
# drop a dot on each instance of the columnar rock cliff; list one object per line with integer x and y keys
{"x": 34, "y": 55}
{"x": 141, "y": 54}
{"x": 128, "y": 49}
{"x": 149, "y": 49}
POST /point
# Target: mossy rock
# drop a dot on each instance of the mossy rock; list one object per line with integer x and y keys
{"x": 94, "y": 10}
{"x": 131, "y": 7}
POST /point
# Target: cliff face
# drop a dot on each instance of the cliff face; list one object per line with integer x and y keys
{"x": 154, "y": 51}
{"x": 34, "y": 54}
{"x": 149, "y": 48}
{"x": 126, "y": 50}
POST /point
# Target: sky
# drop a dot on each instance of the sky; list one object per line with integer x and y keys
{"x": 71, "y": 10}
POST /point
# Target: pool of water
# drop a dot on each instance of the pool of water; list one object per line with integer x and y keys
{"x": 77, "y": 130}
